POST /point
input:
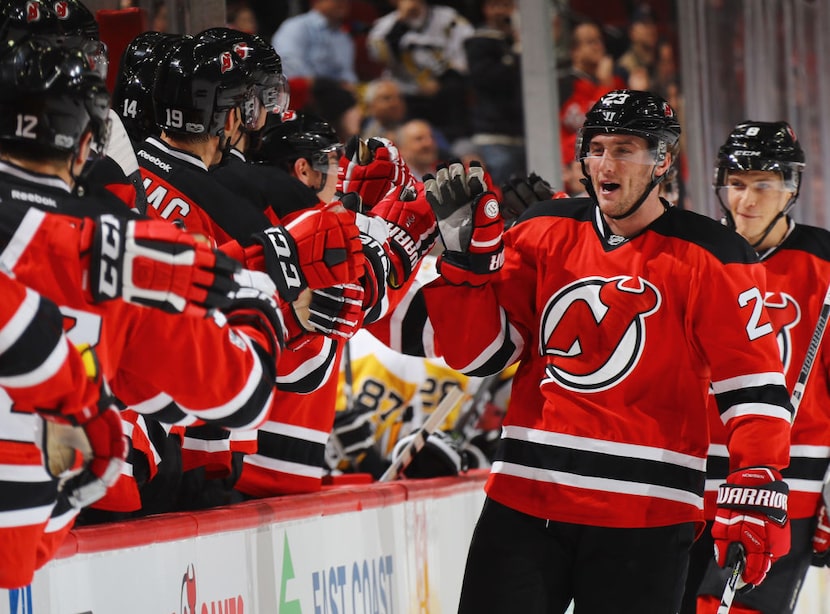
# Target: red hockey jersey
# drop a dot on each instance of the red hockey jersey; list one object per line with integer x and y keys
{"x": 619, "y": 340}
{"x": 793, "y": 302}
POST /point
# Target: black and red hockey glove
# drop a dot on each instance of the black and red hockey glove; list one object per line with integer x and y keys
{"x": 752, "y": 512}
{"x": 317, "y": 249}
{"x": 521, "y": 192}
{"x": 413, "y": 229}
{"x": 336, "y": 312}
{"x": 156, "y": 264}
{"x": 469, "y": 221}
{"x": 96, "y": 432}
{"x": 372, "y": 169}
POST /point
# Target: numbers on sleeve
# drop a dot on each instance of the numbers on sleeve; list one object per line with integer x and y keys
{"x": 754, "y": 328}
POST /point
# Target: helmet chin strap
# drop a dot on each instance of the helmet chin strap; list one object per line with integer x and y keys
{"x": 730, "y": 221}
{"x": 655, "y": 180}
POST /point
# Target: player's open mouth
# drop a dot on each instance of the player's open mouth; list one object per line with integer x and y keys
{"x": 607, "y": 187}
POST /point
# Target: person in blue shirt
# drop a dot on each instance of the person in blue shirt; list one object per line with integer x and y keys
{"x": 315, "y": 44}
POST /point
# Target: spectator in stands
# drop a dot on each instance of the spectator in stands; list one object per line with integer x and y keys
{"x": 314, "y": 44}
{"x": 160, "y": 21}
{"x": 418, "y": 147}
{"x": 385, "y": 109}
{"x": 495, "y": 79}
{"x": 590, "y": 76}
{"x": 240, "y": 16}
{"x": 336, "y": 105}
{"x": 639, "y": 61}
{"x": 422, "y": 46}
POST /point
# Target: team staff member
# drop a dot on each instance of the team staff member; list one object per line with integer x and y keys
{"x": 601, "y": 466}
{"x": 757, "y": 181}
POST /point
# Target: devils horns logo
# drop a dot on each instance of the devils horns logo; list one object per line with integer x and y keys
{"x": 784, "y": 313}
{"x": 225, "y": 62}
{"x": 593, "y": 331}
{"x": 61, "y": 10}
{"x": 32, "y": 11}
{"x": 242, "y": 50}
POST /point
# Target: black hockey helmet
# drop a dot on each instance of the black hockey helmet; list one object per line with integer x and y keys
{"x": 294, "y": 135}
{"x": 147, "y": 45}
{"x": 50, "y": 97}
{"x": 196, "y": 85}
{"x": 262, "y": 63}
{"x": 132, "y": 96}
{"x": 638, "y": 113}
{"x": 633, "y": 112}
{"x": 23, "y": 18}
{"x": 66, "y": 22}
{"x": 762, "y": 146}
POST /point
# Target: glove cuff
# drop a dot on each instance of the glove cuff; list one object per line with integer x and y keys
{"x": 280, "y": 251}
{"x": 757, "y": 489}
{"x": 107, "y": 258}
{"x": 460, "y": 269}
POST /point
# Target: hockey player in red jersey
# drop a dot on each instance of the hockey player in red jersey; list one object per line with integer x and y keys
{"x": 41, "y": 372}
{"x": 757, "y": 180}
{"x": 38, "y": 167}
{"x": 621, "y": 309}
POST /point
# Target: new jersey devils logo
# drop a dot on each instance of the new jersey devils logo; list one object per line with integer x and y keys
{"x": 61, "y": 10}
{"x": 784, "y": 313}
{"x": 225, "y": 62}
{"x": 593, "y": 330}
{"x": 242, "y": 50}
{"x": 32, "y": 11}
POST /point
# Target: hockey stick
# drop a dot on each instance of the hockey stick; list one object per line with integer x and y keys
{"x": 736, "y": 554}
{"x": 432, "y": 423}
{"x": 472, "y": 414}
{"x": 810, "y": 357}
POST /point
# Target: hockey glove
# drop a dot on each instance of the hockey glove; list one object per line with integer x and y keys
{"x": 413, "y": 230}
{"x": 317, "y": 249}
{"x": 521, "y": 192}
{"x": 336, "y": 312}
{"x": 372, "y": 169}
{"x": 469, "y": 221}
{"x": 156, "y": 264}
{"x": 256, "y": 303}
{"x": 374, "y": 234}
{"x": 821, "y": 540}
{"x": 101, "y": 440}
{"x": 441, "y": 456}
{"x": 752, "y": 511}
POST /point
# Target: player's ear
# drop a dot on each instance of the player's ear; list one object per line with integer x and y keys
{"x": 664, "y": 166}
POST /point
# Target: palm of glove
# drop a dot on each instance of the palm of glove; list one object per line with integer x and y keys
{"x": 101, "y": 440}
{"x": 469, "y": 222}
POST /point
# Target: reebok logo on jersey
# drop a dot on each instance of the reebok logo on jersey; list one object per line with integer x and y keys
{"x": 154, "y": 160}
{"x": 31, "y": 197}
{"x": 593, "y": 331}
